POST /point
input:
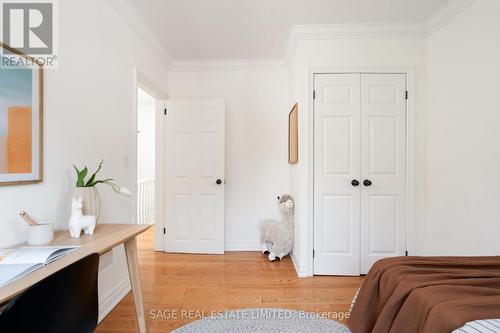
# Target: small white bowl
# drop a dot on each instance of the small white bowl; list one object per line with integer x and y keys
{"x": 40, "y": 234}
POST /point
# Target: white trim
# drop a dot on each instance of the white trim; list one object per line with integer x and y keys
{"x": 137, "y": 23}
{"x": 243, "y": 246}
{"x": 146, "y": 84}
{"x": 160, "y": 179}
{"x": 297, "y": 33}
{"x": 300, "y": 270}
{"x": 306, "y": 267}
{"x": 351, "y": 31}
{"x": 411, "y": 161}
{"x": 443, "y": 16}
{"x": 295, "y": 263}
{"x": 113, "y": 297}
{"x": 229, "y": 65}
{"x": 142, "y": 80}
{"x": 374, "y": 30}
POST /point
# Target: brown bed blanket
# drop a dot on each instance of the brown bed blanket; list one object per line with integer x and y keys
{"x": 427, "y": 294}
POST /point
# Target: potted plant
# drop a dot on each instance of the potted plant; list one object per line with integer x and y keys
{"x": 86, "y": 189}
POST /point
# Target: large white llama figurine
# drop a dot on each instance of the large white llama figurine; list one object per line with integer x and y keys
{"x": 78, "y": 221}
{"x": 277, "y": 236}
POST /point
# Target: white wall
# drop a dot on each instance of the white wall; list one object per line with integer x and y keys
{"x": 464, "y": 137}
{"x": 256, "y": 143}
{"x": 146, "y": 135}
{"x": 89, "y": 115}
{"x": 374, "y": 52}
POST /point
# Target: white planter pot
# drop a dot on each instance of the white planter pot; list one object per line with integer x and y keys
{"x": 91, "y": 202}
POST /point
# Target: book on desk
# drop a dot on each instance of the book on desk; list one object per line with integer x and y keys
{"x": 18, "y": 262}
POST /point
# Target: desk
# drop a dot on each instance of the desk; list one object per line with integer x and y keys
{"x": 105, "y": 238}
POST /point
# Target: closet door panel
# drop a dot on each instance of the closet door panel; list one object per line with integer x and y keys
{"x": 383, "y": 119}
{"x": 336, "y": 165}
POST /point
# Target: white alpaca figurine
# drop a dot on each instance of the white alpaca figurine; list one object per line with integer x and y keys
{"x": 78, "y": 221}
{"x": 277, "y": 237}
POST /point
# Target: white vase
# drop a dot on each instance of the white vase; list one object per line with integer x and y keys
{"x": 91, "y": 201}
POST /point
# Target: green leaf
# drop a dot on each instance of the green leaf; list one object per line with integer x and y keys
{"x": 77, "y": 171}
{"x": 84, "y": 173}
{"x": 92, "y": 178}
{"x": 81, "y": 177}
{"x": 98, "y": 182}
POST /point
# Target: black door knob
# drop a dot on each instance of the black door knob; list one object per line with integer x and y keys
{"x": 218, "y": 181}
{"x": 367, "y": 182}
{"x": 355, "y": 182}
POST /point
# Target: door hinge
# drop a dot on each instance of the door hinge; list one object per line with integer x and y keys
{"x": 165, "y": 111}
{"x": 164, "y": 231}
{"x": 314, "y": 94}
{"x": 314, "y": 253}
{"x": 406, "y": 253}
{"x": 406, "y": 96}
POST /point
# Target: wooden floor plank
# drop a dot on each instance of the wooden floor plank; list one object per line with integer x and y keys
{"x": 180, "y": 288}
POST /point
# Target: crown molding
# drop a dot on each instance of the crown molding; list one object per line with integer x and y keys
{"x": 137, "y": 23}
{"x": 351, "y": 31}
{"x": 375, "y": 30}
{"x": 297, "y": 33}
{"x": 228, "y": 65}
{"x": 443, "y": 16}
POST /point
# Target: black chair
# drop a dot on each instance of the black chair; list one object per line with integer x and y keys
{"x": 64, "y": 302}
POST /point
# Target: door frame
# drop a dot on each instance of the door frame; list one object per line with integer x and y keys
{"x": 141, "y": 80}
{"x": 307, "y": 268}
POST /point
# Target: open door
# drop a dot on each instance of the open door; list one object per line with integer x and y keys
{"x": 194, "y": 175}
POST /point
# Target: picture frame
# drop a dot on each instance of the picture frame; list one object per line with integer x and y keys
{"x": 21, "y": 121}
{"x": 293, "y": 135}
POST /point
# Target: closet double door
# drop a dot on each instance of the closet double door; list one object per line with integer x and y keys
{"x": 359, "y": 171}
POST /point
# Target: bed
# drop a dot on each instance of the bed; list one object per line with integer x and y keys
{"x": 430, "y": 295}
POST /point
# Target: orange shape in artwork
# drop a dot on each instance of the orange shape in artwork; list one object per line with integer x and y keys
{"x": 19, "y": 140}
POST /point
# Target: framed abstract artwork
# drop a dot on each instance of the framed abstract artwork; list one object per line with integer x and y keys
{"x": 293, "y": 135}
{"x": 21, "y": 121}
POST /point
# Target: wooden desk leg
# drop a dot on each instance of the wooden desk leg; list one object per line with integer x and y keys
{"x": 133, "y": 272}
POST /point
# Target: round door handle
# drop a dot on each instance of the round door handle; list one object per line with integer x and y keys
{"x": 367, "y": 182}
{"x": 218, "y": 181}
{"x": 355, "y": 182}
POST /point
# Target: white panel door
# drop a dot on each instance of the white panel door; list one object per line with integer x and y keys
{"x": 383, "y": 168}
{"x": 194, "y": 167}
{"x": 336, "y": 170}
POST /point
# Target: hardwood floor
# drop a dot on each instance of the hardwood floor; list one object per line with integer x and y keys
{"x": 180, "y": 288}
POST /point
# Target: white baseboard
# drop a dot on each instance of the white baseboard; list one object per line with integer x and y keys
{"x": 300, "y": 270}
{"x": 113, "y": 297}
{"x": 242, "y": 246}
{"x": 295, "y": 263}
